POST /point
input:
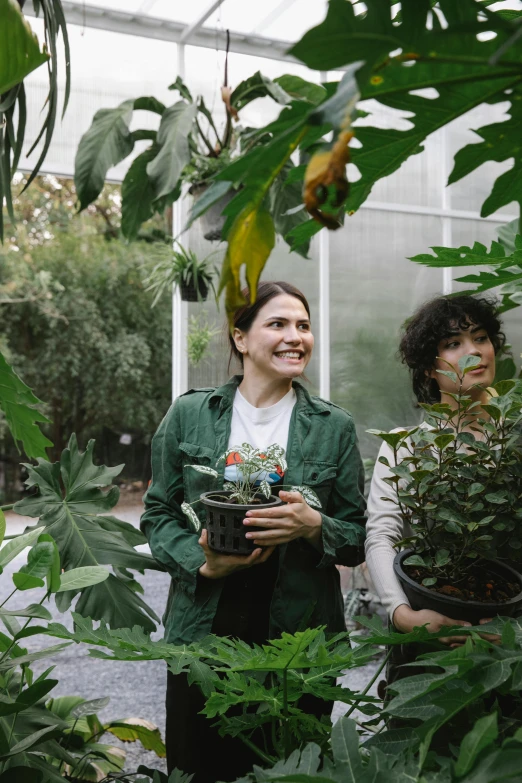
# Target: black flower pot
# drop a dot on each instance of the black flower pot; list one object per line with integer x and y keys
{"x": 226, "y": 531}
{"x": 189, "y": 293}
{"x": 473, "y": 611}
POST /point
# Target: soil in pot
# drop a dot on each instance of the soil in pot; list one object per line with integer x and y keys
{"x": 226, "y": 531}
{"x": 479, "y": 586}
{"x": 494, "y": 588}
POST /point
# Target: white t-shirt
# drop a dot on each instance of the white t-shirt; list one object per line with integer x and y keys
{"x": 260, "y": 427}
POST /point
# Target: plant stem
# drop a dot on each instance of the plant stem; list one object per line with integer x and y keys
{"x": 8, "y": 507}
{"x": 14, "y": 716}
{"x": 8, "y": 597}
{"x": 264, "y": 756}
{"x": 365, "y": 691}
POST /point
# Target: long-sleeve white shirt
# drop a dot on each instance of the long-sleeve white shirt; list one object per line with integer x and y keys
{"x": 385, "y": 527}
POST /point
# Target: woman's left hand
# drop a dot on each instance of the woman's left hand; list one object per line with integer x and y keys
{"x": 295, "y": 519}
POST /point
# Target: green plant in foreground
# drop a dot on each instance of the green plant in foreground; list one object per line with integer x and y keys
{"x": 199, "y": 337}
{"x": 460, "y": 491}
{"x": 461, "y": 716}
{"x": 183, "y": 269}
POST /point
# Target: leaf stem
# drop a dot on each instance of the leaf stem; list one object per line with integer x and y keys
{"x": 374, "y": 678}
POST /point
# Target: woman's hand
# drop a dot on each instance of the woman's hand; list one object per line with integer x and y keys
{"x": 295, "y": 519}
{"x": 217, "y": 566}
{"x": 405, "y": 619}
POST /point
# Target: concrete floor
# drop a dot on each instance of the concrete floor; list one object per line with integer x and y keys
{"x": 136, "y": 689}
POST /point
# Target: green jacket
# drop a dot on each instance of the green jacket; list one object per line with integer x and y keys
{"x": 322, "y": 453}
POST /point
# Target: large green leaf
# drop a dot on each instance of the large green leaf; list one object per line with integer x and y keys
{"x": 137, "y": 194}
{"x": 174, "y": 154}
{"x": 19, "y": 48}
{"x": 501, "y": 141}
{"x": 83, "y": 538}
{"x": 132, "y": 729}
{"x": 107, "y": 142}
{"x": 257, "y": 86}
{"x": 17, "y": 402}
{"x": 469, "y": 256}
{"x": 283, "y": 198}
{"x": 483, "y": 733}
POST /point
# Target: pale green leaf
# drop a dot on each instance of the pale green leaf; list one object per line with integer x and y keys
{"x": 19, "y": 48}
{"x": 79, "y": 578}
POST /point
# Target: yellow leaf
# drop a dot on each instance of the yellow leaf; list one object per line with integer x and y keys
{"x": 250, "y": 242}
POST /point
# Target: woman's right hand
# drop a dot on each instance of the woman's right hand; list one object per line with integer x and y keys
{"x": 405, "y": 619}
{"x": 217, "y": 566}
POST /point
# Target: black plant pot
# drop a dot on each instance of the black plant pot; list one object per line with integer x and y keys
{"x": 423, "y": 598}
{"x": 226, "y": 531}
{"x": 189, "y": 293}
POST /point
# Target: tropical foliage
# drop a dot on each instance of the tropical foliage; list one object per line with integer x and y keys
{"x": 20, "y": 54}
{"x": 466, "y": 53}
{"x": 460, "y": 493}
{"x": 77, "y": 552}
{"x": 183, "y": 269}
{"x": 187, "y": 147}
{"x": 458, "y": 717}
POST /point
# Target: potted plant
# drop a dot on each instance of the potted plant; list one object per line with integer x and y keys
{"x": 226, "y": 508}
{"x": 458, "y": 484}
{"x": 199, "y": 337}
{"x": 182, "y": 268}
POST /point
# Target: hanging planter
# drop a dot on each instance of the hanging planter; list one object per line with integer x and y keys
{"x": 192, "y": 276}
{"x": 212, "y": 221}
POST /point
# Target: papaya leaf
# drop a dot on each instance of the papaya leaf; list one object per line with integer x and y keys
{"x": 500, "y": 141}
{"x": 133, "y": 729}
{"x": 468, "y": 256}
{"x": 483, "y": 733}
{"x": 83, "y": 538}
{"x": 19, "y": 48}
{"x": 107, "y": 142}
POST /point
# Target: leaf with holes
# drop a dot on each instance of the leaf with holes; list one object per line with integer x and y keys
{"x": 84, "y": 539}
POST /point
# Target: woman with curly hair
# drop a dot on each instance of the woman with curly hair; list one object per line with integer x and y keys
{"x": 438, "y": 335}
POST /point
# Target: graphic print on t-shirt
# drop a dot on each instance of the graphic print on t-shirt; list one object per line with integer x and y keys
{"x": 233, "y": 471}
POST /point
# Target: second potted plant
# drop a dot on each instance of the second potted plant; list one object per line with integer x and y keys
{"x": 226, "y": 508}
{"x": 458, "y": 484}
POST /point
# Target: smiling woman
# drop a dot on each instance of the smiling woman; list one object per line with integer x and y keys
{"x": 290, "y": 580}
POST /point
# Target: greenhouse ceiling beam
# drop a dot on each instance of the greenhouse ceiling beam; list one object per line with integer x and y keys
{"x": 195, "y": 26}
{"x": 146, "y": 26}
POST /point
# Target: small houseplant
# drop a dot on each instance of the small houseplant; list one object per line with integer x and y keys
{"x": 182, "y": 268}
{"x": 199, "y": 336}
{"x": 226, "y": 508}
{"x": 458, "y": 485}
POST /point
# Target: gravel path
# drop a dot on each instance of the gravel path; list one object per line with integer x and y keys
{"x": 136, "y": 689}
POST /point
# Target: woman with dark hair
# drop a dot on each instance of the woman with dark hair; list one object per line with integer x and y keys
{"x": 438, "y": 335}
{"x": 290, "y": 580}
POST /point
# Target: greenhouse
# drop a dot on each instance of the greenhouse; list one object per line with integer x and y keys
{"x": 161, "y": 165}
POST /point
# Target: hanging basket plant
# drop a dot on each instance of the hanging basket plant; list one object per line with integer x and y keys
{"x": 194, "y": 277}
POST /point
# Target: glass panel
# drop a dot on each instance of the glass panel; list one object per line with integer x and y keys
{"x": 286, "y": 20}
{"x": 373, "y": 289}
{"x": 124, "y": 67}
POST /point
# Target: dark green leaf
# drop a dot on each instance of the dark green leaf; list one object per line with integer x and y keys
{"x": 17, "y": 402}
{"x": 174, "y": 154}
{"x": 106, "y": 143}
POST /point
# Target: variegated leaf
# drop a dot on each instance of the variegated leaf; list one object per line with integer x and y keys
{"x": 264, "y": 487}
{"x": 308, "y": 495}
{"x": 192, "y": 516}
{"x": 205, "y": 469}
